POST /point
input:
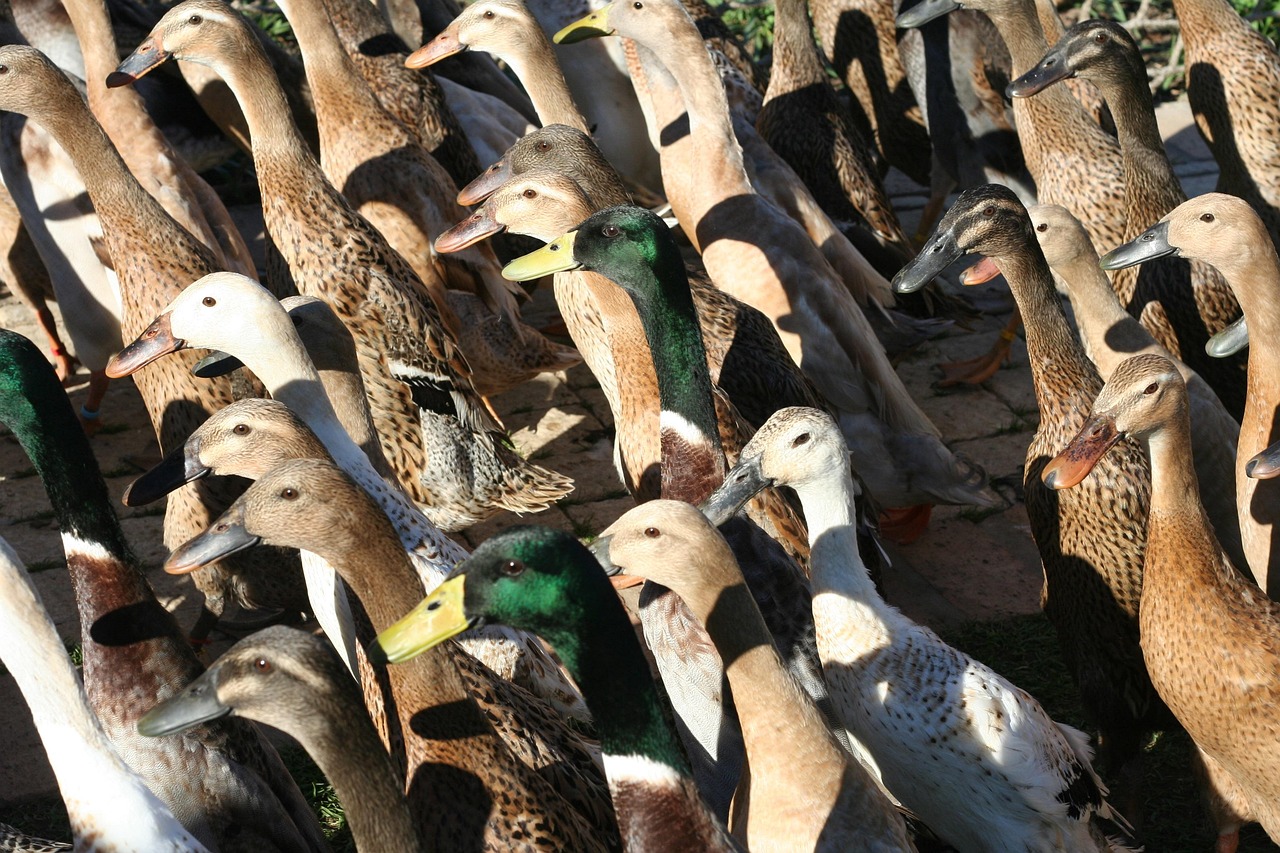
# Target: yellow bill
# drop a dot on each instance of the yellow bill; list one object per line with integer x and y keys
{"x": 592, "y": 26}
{"x": 556, "y": 256}
{"x": 438, "y": 617}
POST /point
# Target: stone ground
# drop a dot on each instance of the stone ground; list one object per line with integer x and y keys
{"x": 968, "y": 566}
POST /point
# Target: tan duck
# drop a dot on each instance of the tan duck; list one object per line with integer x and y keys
{"x": 756, "y": 253}
{"x": 433, "y": 426}
{"x": 405, "y": 194}
{"x": 1110, "y": 335}
{"x": 536, "y": 577}
{"x": 291, "y": 681}
{"x": 803, "y": 790}
{"x": 490, "y": 798}
{"x": 1210, "y": 640}
{"x": 1182, "y": 304}
{"x": 1091, "y": 539}
{"x": 808, "y": 125}
{"x": 109, "y": 806}
{"x": 1231, "y": 69}
{"x": 153, "y": 256}
{"x": 1224, "y": 231}
{"x": 223, "y": 781}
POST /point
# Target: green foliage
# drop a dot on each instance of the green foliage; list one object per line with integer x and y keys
{"x": 752, "y": 23}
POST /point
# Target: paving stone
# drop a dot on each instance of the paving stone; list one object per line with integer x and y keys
{"x": 1001, "y": 455}
{"x": 971, "y": 412}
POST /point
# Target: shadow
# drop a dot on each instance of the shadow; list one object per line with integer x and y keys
{"x": 1264, "y": 509}
{"x": 133, "y": 623}
{"x": 460, "y": 804}
{"x": 455, "y": 720}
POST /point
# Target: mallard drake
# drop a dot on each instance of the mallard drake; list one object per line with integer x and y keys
{"x": 249, "y": 323}
{"x": 541, "y": 579}
{"x": 109, "y": 806}
{"x": 1211, "y": 642}
{"x": 1225, "y": 231}
{"x": 492, "y": 798}
{"x": 1090, "y": 540}
{"x": 941, "y": 727}
{"x": 803, "y": 791}
{"x": 1182, "y": 304}
{"x": 151, "y": 255}
{"x": 1110, "y": 336}
{"x": 292, "y": 681}
{"x": 223, "y": 781}
{"x": 423, "y": 402}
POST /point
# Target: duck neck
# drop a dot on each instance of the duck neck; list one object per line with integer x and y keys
{"x": 1206, "y": 17}
{"x": 368, "y": 554}
{"x": 1019, "y": 26}
{"x": 536, "y": 67}
{"x": 835, "y": 563}
{"x": 1174, "y": 488}
{"x": 599, "y": 648}
{"x": 1062, "y": 373}
{"x": 92, "y": 24}
{"x": 795, "y": 56}
{"x": 1107, "y": 331}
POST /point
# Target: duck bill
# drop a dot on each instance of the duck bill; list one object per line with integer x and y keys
{"x": 1150, "y": 244}
{"x": 1073, "y": 464}
{"x": 939, "y": 253}
{"x": 743, "y": 482}
{"x": 924, "y": 12}
{"x": 980, "y": 273}
{"x": 1229, "y": 341}
{"x": 439, "y": 616}
{"x": 469, "y": 231}
{"x": 197, "y": 704}
{"x": 1052, "y": 69}
{"x": 445, "y": 44}
{"x": 595, "y": 25}
{"x": 485, "y": 185}
{"x": 1266, "y": 465}
{"x": 156, "y": 341}
{"x": 147, "y": 57}
{"x": 227, "y": 536}
{"x": 180, "y": 467}
{"x": 215, "y": 364}
{"x": 556, "y": 256}
{"x": 600, "y": 549}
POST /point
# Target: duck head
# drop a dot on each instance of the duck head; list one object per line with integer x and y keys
{"x": 200, "y": 31}
{"x": 492, "y": 26}
{"x": 541, "y": 203}
{"x": 1089, "y": 49}
{"x": 557, "y": 148}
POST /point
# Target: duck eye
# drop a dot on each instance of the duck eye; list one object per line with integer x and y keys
{"x": 208, "y": 302}
{"x": 4, "y": 69}
{"x": 990, "y": 210}
{"x": 544, "y": 145}
{"x": 610, "y": 231}
{"x": 241, "y": 429}
{"x": 1152, "y": 388}
{"x": 530, "y": 193}
{"x": 652, "y": 532}
{"x": 1042, "y": 227}
{"x": 637, "y": 5}
{"x": 512, "y": 568}
{"x": 489, "y": 14}
{"x": 1100, "y": 38}
{"x": 1206, "y": 217}
{"x": 195, "y": 19}
{"x": 262, "y": 665}
{"x": 289, "y": 493}
{"x": 802, "y": 438}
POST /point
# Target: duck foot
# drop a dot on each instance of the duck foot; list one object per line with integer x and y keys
{"x": 975, "y": 371}
{"x": 904, "y": 525}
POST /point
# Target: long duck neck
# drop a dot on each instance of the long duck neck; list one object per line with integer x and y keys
{"x": 1019, "y": 25}
{"x": 1109, "y": 334}
{"x": 795, "y": 56}
{"x": 1206, "y": 16}
{"x": 92, "y": 24}
{"x": 834, "y": 561}
{"x": 536, "y": 67}
{"x": 1174, "y": 488}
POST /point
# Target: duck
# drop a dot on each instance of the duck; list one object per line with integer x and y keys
{"x": 1110, "y": 335}
{"x": 1228, "y": 64}
{"x": 151, "y": 254}
{"x": 805, "y": 122}
{"x": 635, "y": 250}
{"x": 542, "y": 579}
{"x": 224, "y": 781}
{"x": 803, "y": 790}
{"x": 1227, "y": 232}
{"x": 109, "y": 806}
{"x": 1182, "y": 304}
{"x": 753, "y": 252}
{"x": 292, "y": 681}
{"x": 434, "y": 428}
{"x": 492, "y": 798}
{"x": 939, "y": 725}
{"x": 1210, "y": 639}
{"x": 24, "y": 273}
{"x": 243, "y": 319}
{"x": 1091, "y": 540}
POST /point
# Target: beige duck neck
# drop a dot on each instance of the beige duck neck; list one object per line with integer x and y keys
{"x": 1174, "y": 487}
{"x": 1109, "y": 334}
{"x": 534, "y": 62}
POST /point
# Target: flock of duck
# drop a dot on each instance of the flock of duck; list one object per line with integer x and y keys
{"x": 760, "y": 425}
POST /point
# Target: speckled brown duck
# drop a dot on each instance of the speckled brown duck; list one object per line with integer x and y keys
{"x": 223, "y": 781}
{"x": 1091, "y": 540}
{"x": 465, "y": 788}
{"x": 808, "y": 125}
{"x": 1182, "y": 303}
{"x": 1210, "y": 639}
{"x": 434, "y": 429}
{"x": 153, "y": 258}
